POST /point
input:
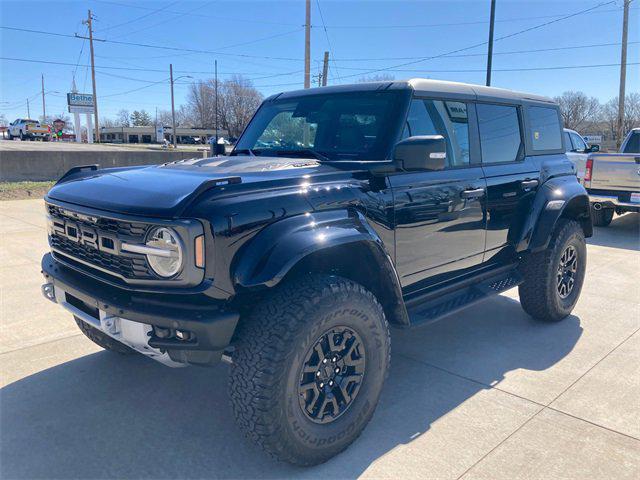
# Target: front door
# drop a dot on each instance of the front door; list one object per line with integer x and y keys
{"x": 439, "y": 220}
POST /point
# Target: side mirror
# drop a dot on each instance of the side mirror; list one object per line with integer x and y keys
{"x": 426, "y": 152}
{"x": 593, "y": 149}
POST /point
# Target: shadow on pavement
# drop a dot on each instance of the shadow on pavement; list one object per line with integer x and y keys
{"x": 624, "y": 232}
{"x": 107, "y": 416}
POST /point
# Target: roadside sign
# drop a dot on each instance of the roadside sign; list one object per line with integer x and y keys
{"x": 160, "y": 133}
{"x": 80, "y": 100}
{"x": 80, "y": 109}
{"x": 593, "y": 138}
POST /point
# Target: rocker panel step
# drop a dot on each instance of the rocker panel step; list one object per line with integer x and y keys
{"x": 436, "y": 308}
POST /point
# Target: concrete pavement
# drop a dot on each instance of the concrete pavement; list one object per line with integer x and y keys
{"x": 487, "y": 393}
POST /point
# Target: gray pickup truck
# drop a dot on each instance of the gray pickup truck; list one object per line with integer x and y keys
{"x": 613, "y": 180}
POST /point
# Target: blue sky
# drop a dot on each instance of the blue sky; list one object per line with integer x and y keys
{"x": 264, "y": 41}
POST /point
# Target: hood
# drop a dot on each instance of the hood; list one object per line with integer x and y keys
{"x": 166, "y": 190}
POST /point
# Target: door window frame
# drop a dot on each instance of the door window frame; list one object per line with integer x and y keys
{"x": 522, "y": 151}
{"x": 472, "y": 124}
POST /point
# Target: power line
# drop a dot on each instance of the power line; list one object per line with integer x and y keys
{"x": 519, "y": 69}
{"x": 157, "y": 10}
{"x": 470, "y": 47}
{"x": 326, "y": 34}
{"x": 133, "y": 69}
{"x": 454, "y": 24}
{"x": 513, "y": 52}
{"x": 160, "y": 47}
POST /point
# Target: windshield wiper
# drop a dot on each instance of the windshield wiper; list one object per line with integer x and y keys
{"x": 304, "y": 151}
{"x": 243, "y": 150}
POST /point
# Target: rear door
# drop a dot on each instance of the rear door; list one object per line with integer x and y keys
{"x": 510, "y": 176}
{"x": 439, "y": 220}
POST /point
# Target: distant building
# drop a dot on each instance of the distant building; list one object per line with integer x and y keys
{"x": 147, "y": 134}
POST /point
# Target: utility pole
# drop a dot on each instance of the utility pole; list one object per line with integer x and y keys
{"x": 490, "y": 52}
{"x": 307, "y": 45}
{"x": 93, "y": 76}
{"x": 173, "y": 107}
{"x": 215, "y": 70}
{"x": 44, "y": 108}
{"x": 28, "y": 111}
{"x": 325, "y": 69}
{"x": 623, "y": 73}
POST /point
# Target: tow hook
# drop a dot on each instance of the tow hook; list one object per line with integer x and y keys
{"x": 597, "y": 206}
{"x": 49, "y": 292}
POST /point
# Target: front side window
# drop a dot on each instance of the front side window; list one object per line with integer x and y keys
{"x": 633, "y": 145}
{"x": 567, "y": 142}
{"x": 544, "y": 124}
{"x": 340, "y": 126}
{"x": 500, "y": 137}
{"x": 446, "y": 118}
{"x": 579, "y": 144}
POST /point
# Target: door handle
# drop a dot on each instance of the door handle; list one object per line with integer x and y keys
{"x": 475, "y": 193}
{"x": 529, "y": 183}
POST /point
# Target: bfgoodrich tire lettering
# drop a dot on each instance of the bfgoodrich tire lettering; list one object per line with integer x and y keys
{"x": 271, "y": 349}
{"x": 539, "y": 293}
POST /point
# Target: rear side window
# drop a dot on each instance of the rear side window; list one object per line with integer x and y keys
{"x": 446, "y": 118}
{"x": 545, "y": 129}
{"x": 500, "y": 137}
{"x": 579, "y": 144}
{"x": 633, "y": 145}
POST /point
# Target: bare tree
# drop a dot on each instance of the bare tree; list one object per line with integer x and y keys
{"x": 123, "y": 119}
{"x": 631, "y": 113}
{"x": 238, "y": 100}
{"x": 106, "y": 122}
{"x": 576, "y": 108}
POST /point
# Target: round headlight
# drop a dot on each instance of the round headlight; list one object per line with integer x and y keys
{"x": 168, "y": 259}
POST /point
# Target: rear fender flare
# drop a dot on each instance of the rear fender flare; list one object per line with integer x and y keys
{"x": 558, "y": 197}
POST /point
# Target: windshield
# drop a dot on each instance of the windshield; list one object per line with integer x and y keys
{"x": 338, "y": 126}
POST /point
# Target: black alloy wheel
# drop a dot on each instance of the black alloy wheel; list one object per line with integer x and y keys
{"x": 331, "y": 376}
{"x": 567, "y": 269}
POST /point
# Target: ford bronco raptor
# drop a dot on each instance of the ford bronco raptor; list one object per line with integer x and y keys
{"x": 341, "y": 211}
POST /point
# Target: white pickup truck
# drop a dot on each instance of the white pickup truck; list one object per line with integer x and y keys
{"x": 25, "y": 128}
{"x": 613, "y": 180}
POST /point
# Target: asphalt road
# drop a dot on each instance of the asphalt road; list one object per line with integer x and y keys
{"x": 487, "y": 393}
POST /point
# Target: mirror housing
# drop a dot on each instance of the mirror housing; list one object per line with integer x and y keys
{"x": 422, "y": 153}
{"x": 593, "y": 149}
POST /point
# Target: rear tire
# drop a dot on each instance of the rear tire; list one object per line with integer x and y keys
{"x": 314, "y": 330}
{"x": 602, "y": 217}
{"x": 553, "y": 278}
{"x": 102, "y": 339}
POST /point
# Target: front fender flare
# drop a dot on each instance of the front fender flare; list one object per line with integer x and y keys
{"x": 556, "y": 198}
{"x": 272, "y": 253}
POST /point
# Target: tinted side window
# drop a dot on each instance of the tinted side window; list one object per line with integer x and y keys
{"x": 633, "y": 145}
{"x": 579, "y": 144}
{"x": 567, "y": 142}
{"x": 545, "y": 128}
{"x": 500, "y": 137}
{"x": 446, "y": 118}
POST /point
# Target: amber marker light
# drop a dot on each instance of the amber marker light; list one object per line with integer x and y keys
{"x": 199, "y": 251}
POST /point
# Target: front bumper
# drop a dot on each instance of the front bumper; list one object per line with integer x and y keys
{"x": 130, "y": 317}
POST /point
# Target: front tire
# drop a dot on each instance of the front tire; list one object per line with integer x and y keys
{"x": 602, "y": 217}
{"x": 308, "y": 368}
{"x": 102, "y": 339}
{"x": 553, "y": 278}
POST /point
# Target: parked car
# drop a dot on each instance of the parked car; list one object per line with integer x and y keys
{"x": 613, "y": 180}
{"x": 406, "y": 201}
{"x": 27, "y": 129}
{"x": 578, "y": 150}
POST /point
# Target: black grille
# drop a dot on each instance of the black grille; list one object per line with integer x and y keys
{"x": 106, "y": 225}
{"x": 130, "y": 266}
